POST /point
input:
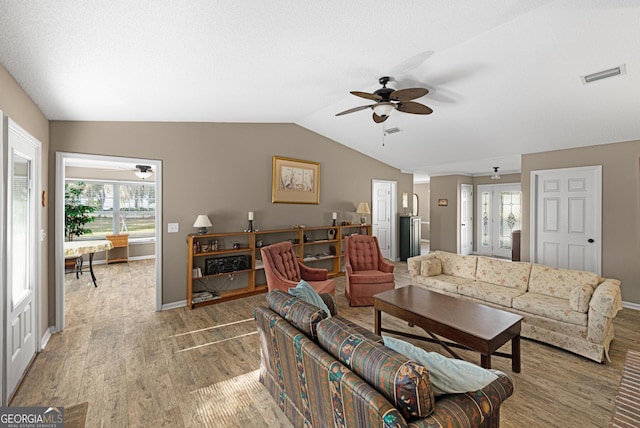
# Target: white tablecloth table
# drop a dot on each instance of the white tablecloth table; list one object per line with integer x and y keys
{"x": 78, "y": 248}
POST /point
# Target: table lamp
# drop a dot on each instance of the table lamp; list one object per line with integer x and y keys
{"x": 363, "y": 209}
{"x": 202, "y": 223}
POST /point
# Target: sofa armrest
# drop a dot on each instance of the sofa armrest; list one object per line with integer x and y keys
{"x": 579, "y": 298}
{"x": 312, "y": 274}
{"x": 607, "y": 298}
{"x": 414, "y": 264}
{"x": 482, "y": 407}
{"x": 328, "y": 300}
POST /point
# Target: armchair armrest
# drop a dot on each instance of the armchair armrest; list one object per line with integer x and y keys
{"x": 385, "y": 266}
{"x": 312, "y": 274}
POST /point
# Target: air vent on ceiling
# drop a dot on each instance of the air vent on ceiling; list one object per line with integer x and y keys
{"x": 393, "y": 130}
{"x": 616, "y": 71}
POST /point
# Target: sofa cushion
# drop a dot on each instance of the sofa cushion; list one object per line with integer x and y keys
{"x": 302, "y": 315}
{"x": 447, "y": 375}
{"x": 457, "y": 265}
{"x": 557, "y": 282}
{"x": 402, "y": 381}
{"x": 579, "y": 298}
{"x": 307, "y": 293}
{"x": 446, "y": 283}
{"x": 508, "y": 274}
{"x": 549, "y": 307}
{"x": 431, "y": 267}
{"x": 370, "y": 277}
{"x": 489, "y": 292}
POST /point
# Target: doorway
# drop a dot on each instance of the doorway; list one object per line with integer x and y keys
{"x": 383, "y": 216}
{"x": 566, "y": 221}
{"x": 499, "y": 210}
{"x": 62, "y": 159}
{"x": 23, "y": 255}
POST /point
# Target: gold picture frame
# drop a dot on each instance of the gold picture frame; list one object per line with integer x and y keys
{"x": 295, "y": 181}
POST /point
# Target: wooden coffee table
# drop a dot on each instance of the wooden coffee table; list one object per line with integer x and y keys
{"x": 469, "y": 325}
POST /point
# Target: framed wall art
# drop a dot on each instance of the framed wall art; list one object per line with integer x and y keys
{"x": 295, "y": 181}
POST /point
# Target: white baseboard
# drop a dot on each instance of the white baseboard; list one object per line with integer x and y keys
{"x": 174, "y": 305}
{"x": 629, "y": 305}
{"x": 46, "y": 337}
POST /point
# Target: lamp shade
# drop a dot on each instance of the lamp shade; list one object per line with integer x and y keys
{"x": 202, "y": 223}
{"x": 363, "y": 208}
{"x": 143, "y": 174}
{"x": 383, "y": 109}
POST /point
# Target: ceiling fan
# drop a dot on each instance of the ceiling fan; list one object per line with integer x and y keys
{"x": 143, "y": 171}
{"x": 388, "y": 99}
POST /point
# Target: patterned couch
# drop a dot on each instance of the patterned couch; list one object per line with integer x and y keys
{"x": 329, "y": 372}
{"x": 570, "y": 309}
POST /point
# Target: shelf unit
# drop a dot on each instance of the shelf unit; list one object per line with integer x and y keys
{"x": 314, "y": 246}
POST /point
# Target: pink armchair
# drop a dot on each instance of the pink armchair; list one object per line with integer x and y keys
{"x": 283, "y": 270}
{"x": 368, "y": 272}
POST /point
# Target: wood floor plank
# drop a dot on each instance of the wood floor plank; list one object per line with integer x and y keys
{"x": 185, "y": 368}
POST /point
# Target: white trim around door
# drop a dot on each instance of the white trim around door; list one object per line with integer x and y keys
{"x": 61, "y": 158}
{"x": 566, "y": 218}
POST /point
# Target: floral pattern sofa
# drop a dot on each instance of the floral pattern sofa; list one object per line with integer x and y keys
{"x": 329, "y": 372}
{"x": 570, "y": 309}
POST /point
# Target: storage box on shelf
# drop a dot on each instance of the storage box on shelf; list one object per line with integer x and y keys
{"x": 225, "y": 266}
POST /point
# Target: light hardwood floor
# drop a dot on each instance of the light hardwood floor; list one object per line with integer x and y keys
{"x": 140, "y": 368}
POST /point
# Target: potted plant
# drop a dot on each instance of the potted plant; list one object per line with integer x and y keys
{"x": 76, "y": 214}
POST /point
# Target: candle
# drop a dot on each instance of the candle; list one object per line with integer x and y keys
{"x": 335, "y": 216}
{"x": 250, "y": 215}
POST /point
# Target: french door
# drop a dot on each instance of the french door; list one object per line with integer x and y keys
{"x": 499, "y": 213}
{"x": 22, "y": 253}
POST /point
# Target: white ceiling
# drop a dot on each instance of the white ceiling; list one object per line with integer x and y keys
{"x": 504, "y": 76}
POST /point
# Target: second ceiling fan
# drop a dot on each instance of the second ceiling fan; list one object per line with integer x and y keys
{"x": 389, "y": 99}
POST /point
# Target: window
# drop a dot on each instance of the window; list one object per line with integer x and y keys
{"x": 120, "y": 207}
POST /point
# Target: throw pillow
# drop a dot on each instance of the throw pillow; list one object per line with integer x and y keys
{"x": 447, "y": 375}
{"x": 431, "y": 267}
{"x": 306, "y": 292}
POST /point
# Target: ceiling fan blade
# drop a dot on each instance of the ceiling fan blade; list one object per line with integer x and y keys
{"x": 408, "y": 94}
{"x": 353, "y": 110}
{"x": 379, "y": 119}
{"x": 414, "y": 108}
{"x": 367, "y": 95}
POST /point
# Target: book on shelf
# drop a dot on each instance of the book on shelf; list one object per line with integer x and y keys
{"x": 203, "y": 296}
{"x": 196, "y": 272}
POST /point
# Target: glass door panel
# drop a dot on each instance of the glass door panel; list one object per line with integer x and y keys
{"x": 20, "y": 230}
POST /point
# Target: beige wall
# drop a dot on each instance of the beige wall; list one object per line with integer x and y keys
{"x": 423, "y": 191}
{"x": 445, "y": 233}
{"x": 224, "y": 170}
{"x": 18, "y": 106}
{"x": 620, "y": 205}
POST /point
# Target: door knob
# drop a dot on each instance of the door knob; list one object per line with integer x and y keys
{"x": 590, "y": 241}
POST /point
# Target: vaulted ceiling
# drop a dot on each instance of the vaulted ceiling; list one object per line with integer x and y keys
{"x": 504, "y": 75}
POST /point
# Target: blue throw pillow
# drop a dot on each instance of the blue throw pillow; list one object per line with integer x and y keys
{"x": 306, "y": 292}
{"x": 447, "y": 375}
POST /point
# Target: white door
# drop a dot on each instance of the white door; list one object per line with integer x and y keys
{"x": 466, "y": 219}
{"x": 499, "y": 212}
{"x": 22, "y": 253}
{"x": 566, "y": 227}
{"x": 382, "y": 215}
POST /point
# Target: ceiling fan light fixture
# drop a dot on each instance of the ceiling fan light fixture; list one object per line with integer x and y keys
{"x": 143, "y": 171}
{"x": 496, "y": 174}
{"x": 383, "y": 109}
